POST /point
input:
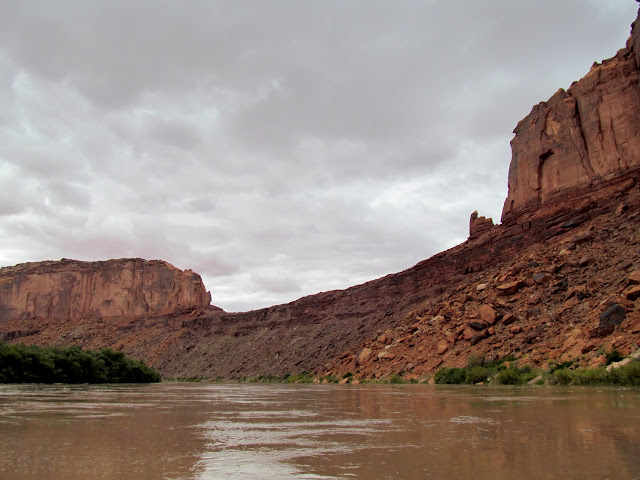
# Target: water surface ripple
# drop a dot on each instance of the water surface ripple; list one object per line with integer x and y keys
{"x": 181, "y": 431}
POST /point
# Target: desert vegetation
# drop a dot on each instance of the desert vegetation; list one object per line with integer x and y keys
{"x": 31, "y": 364}
{"x": 505, "y": 371}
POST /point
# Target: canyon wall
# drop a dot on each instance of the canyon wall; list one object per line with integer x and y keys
{"x": 74, "y": 290}
{"x": 580, "y": 137}
{"x": 540, "y": 286}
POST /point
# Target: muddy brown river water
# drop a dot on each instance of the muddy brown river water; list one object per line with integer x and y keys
{"x": 183, "y": 431}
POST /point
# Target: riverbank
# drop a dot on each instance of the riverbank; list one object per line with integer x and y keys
{"x": 619, "y": 371}
{"x": 31, "y": 364}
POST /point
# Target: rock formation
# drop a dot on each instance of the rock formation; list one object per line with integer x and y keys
{"x": 479, "y": 225}
{"x": 73, "y": 290}
{"x": 580, "y": 137}
{"x": 556, "y": 280}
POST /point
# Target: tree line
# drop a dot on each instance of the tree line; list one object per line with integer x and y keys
{"x": 31, "y": 364}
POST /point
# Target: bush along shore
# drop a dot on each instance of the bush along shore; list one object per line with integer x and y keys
{"x": 618, "y": 371}
{"x": 31, "y": 364}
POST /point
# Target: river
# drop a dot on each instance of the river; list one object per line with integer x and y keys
{"x": 182, "y": 431}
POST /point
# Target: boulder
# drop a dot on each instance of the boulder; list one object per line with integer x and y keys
{"x": 478, "y": 324}
{"x": 510, "y": 288}
{"x": 364, "y": 355}
{"x": 487, "y": 314}
{"x": 585, "y": 261}
{"x": 468, "y": 333}
{"x": 633, "y": 293}
{"x": 536, "y": 380}
{"x": 611, "y": 318}
{"x": 515, "y": 329}
{"x": 583, "y": 237}
{"x": 387, "y": 355}
{"x": 634, "y": 357}
{"x": 479, "y": 336}
{"x": 634, "y": 277}
{"x": 542, "y": 278}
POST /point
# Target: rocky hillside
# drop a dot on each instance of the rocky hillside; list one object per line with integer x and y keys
{"x": 556, "y": 280}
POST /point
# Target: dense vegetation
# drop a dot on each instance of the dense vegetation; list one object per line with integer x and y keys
{"x": 503, "y": 371}
{"x": 31, "y": 364}
{"x": 627, "y": 375}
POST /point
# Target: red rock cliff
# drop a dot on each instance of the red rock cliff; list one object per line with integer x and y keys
{"x": 73, "y": 290}
{"x": 580, "y": 137}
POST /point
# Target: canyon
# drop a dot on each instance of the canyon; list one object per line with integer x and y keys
{"x": 557, "y": 279}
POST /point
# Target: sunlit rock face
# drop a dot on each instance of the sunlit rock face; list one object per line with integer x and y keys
{"x": 73, "y": 290}
{"x": 580, "y": 137}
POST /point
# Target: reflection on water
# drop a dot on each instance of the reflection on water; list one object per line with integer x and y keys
{"x": 216, "y": 431}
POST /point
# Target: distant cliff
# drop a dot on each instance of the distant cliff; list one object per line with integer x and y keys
{"x": 74, "y": 290}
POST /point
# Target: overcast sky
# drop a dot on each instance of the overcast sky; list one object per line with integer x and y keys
{"x": 278, "y": 148}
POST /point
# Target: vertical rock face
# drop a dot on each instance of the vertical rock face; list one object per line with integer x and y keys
{"x": 634, "y": 40}
{"x": 579, "y": 137}
{"x": 73, "y": 290}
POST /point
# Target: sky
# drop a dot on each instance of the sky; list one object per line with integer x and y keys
{"x": 279, "y": 148}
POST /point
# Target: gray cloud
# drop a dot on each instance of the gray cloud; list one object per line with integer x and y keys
{"x": 277, "y": 148}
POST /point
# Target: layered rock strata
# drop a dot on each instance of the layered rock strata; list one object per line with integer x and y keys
{"x": 74, "y": 290}
{"x": 580, "y": 137}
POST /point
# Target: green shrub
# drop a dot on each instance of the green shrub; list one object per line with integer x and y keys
{"x": 304, "y": 377}
{"x": 613, "y": 356}
{"x": 560, "y": 366}
{"x": 627, "y": 375}
{"x": 512, "y": 376}
{"x": 31, "y": 364}
{"x": 397, "y": 379}
{"x": 452, "y": 376}
{"x": 477, "y": 374}
{"x": 329, "y": 378}
{"x": 475, "y": 361}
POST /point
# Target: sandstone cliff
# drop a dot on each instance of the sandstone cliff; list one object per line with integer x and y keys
{"x": 73, "y": 290}
{"x": 580, "y": 137}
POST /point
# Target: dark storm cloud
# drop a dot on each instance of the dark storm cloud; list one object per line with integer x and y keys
{"x": 277, "y": 148}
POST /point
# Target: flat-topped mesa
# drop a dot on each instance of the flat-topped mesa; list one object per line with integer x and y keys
{"x": 73, "y": 290}
{"x": 580, "y": 137}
